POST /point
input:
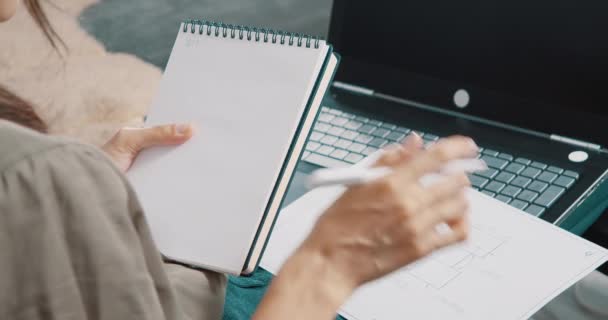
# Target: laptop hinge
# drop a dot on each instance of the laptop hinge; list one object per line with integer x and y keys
{"x": 353, "y": 88}
{"x": 576, "y": 142}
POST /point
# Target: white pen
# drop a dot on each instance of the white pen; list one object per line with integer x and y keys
{"x": 360, "y": 174}
{"x": 356, "y": 175}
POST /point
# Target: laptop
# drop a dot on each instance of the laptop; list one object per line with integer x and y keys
{"x": 525, "y": 80}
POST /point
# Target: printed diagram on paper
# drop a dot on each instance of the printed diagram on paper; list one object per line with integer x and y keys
{"x": 445, "y": 266}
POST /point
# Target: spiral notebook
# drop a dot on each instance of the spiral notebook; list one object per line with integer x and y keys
{"x": 253, "y": 95}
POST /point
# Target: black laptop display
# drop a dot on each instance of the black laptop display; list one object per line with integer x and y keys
{"x": 525, "y": 79}
{"x": 540, "y": 65}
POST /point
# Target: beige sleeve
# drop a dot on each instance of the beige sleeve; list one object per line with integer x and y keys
{"x": 74, "y": 244}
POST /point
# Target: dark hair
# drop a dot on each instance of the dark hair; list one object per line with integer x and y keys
{"x": 13, "y": 108}
{"x": 36, "y": 11}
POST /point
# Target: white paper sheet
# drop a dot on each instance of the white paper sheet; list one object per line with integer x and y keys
{"x": 511, "y": 266}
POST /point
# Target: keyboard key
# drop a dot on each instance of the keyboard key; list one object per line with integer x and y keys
{"x": 336, "y": 131}
{"x": 375, "y": 123}
{"x": 335, "y": 111}
{"x": 494, "y": 162}
{"x": 523, "y": 161}
{"x": 521, "y": 182}
{"x": 353, "y": 125}
{"x": 325, "y": 150}
{"x": 547, "y": 176}
{"x": 353, "y": 158}
{"x": 316, "y": 136}
{"x": 339, "y": 154}
{"x": 369, "y": 150}
{"x": 490, "y": 173}
{"x": 326, "y": 117}
{"x": 356, "y": 147}
{"x": 367, "y": 129}
{"x": 535, "y": 210}
{"x": 564, "y": 181}
{"x": 322, "y": 127}
{"x": 363, "y": 138}
{"x": 305, "y": 154}
{"x": 380, "y": 133}
{"x": 428, "y": 141}
{"x": 527, "y": 196}
{"x": 531, "y": 172}
{"x": 342, "y": 143}
{"x": 312, "y": 146}
{"x": 539, "y": 165}
{"x": 515, "y": 167}
{"x": 478, "y": 182}
{"x": 505, "y": 177}
{"x": 518, "y": 204}
{"x": 555, "y": 169}
{"x": 348, "y": 116}
{"x": 325, "y": 109}
{"x": 548, "y": 197}
{"x": 495, "y": 186}
{"x": 388, "y": 126}
{"x": 339, "y": 121}
{"x": 571, "y": 174}
{"x": 538, "y": 186}
{"x": 490, "y": 152}
{"x": 362, "y": 119}
{"x": 504, "y": 199}
{"x": 349, "y": 134}
{"x": 431, "y": 137}
{"x": 329, "y": 140}
{"x": 324, "y": 161}
{"x": 491, "y": 194}
{"x": 403, "y": 130}
{"x": 511, "y": 191}
{"x": 396, "y": 136}
{"x": 378, "y": 142}
{"x": 506, "y": 156}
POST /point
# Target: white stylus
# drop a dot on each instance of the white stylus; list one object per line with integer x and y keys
{"x": 356, "y": 175}
{"x": 360, "y": 174}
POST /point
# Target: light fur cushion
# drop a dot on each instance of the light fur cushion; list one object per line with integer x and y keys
{"x": 87, "y": 94}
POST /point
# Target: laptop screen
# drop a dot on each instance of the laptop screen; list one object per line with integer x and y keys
{"x": 521, "y": 62}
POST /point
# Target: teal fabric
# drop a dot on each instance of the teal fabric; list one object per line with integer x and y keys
{"x": 243, "y": 295}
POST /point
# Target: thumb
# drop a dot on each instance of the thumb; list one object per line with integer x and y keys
{"x": 143, "y": 138}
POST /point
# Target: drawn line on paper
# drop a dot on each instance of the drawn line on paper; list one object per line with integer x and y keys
{"x": 439, "y": 270}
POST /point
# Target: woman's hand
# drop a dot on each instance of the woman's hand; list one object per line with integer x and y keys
{"x": 124, "y": 147}
{"x": 375, "y": 229}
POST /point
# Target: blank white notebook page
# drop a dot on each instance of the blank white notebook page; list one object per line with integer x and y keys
{"x": 245, "y": 99}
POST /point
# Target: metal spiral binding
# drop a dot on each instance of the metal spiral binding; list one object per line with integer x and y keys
{"x": 220, "y": 29}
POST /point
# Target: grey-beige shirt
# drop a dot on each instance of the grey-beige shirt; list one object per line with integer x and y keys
{"x": 74, "y": 243}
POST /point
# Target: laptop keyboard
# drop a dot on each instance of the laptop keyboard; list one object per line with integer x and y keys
{"x": 341, "y": 139}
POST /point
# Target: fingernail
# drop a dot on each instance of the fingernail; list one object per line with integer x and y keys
{"x": 472, "y": 144}
{"x": 413, "y": 135}
{"x": 411, "y": 139}
{"x": 182, "y": 129}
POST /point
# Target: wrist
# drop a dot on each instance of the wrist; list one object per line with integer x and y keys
{"x": 310, "y": 285}
{"x": 328, "y": 279}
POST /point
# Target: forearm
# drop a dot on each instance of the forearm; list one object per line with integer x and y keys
{"x": 307, "y": 287}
